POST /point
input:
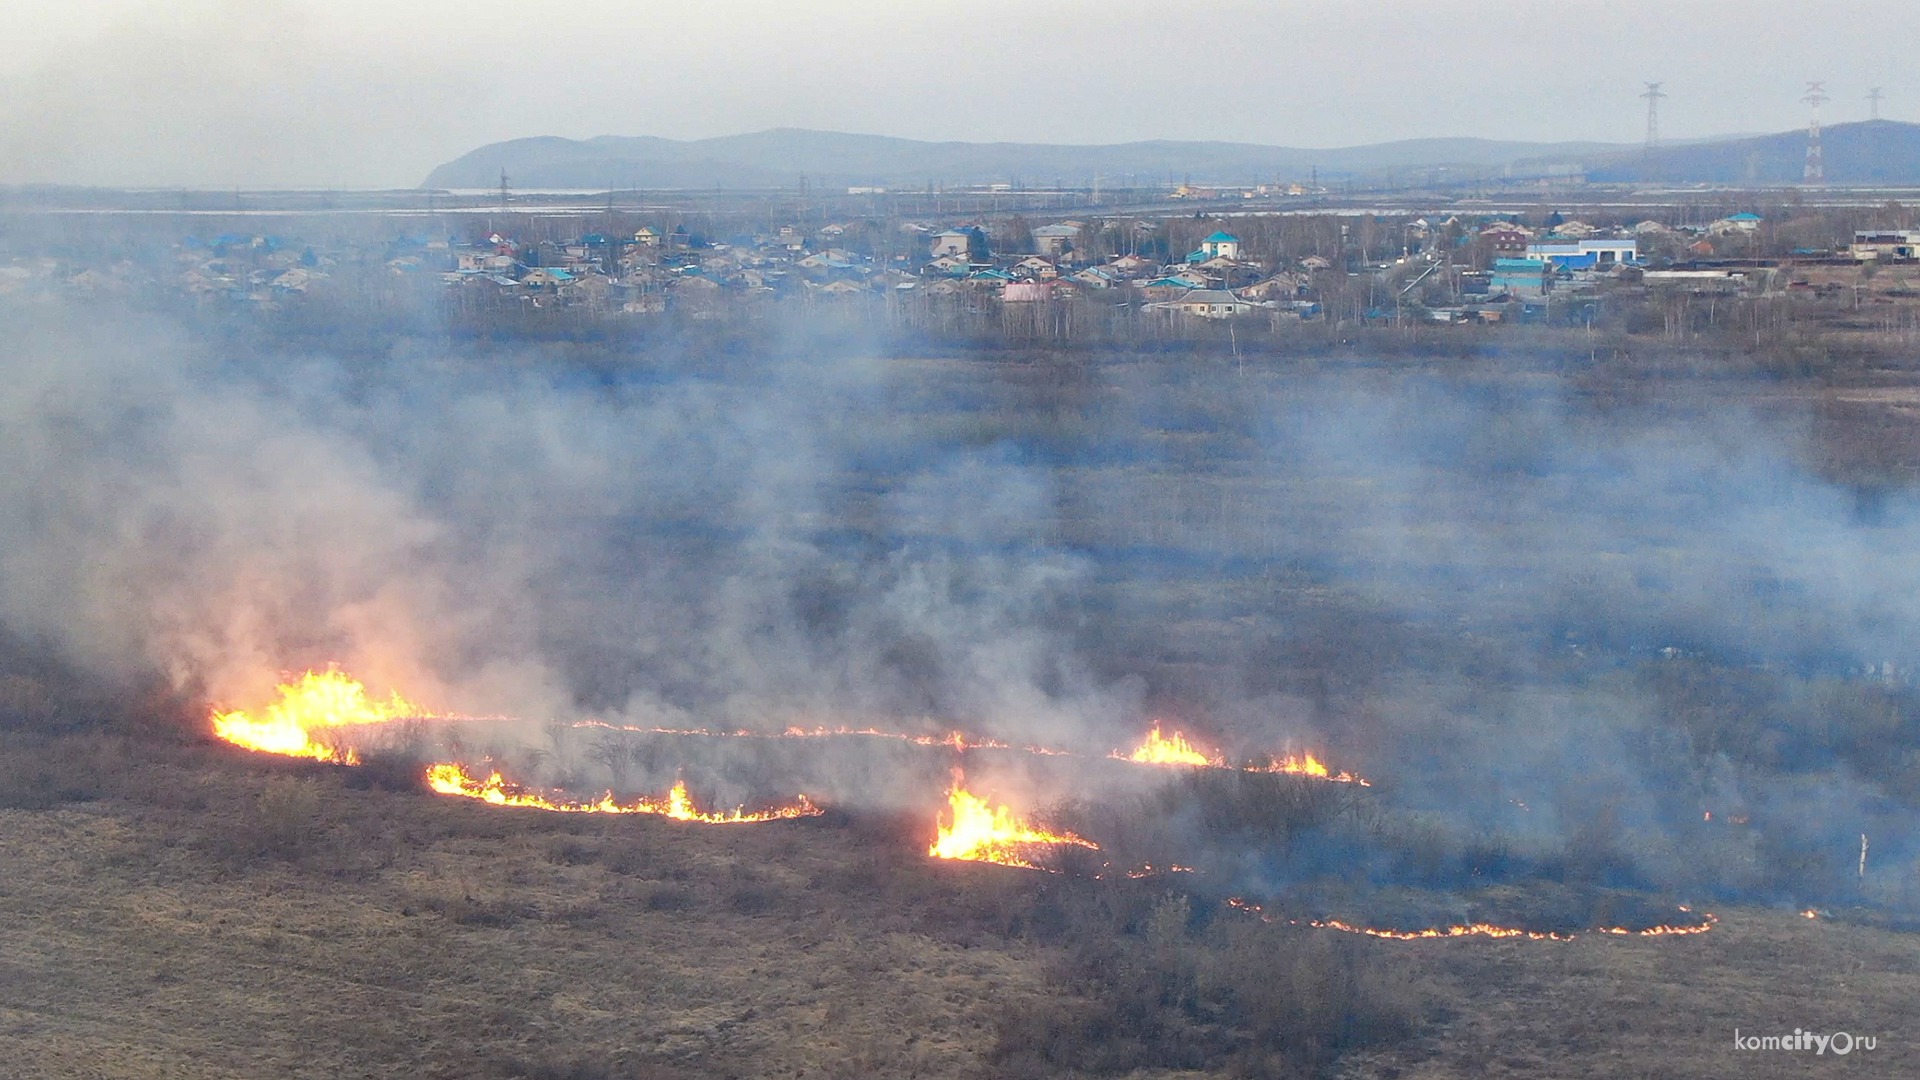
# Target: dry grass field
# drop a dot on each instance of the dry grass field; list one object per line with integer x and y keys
{"x": 171, "y": 910}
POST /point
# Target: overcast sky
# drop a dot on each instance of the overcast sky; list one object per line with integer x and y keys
{"x": 356, "y": 93}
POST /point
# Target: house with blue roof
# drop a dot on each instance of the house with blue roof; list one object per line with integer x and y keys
{"x": 547, "y": 277}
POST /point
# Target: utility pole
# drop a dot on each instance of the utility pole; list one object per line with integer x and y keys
{"x": 1874, "y": 97}
{"x": 1816, "y": 170}
{"x": 1653, "y": 96}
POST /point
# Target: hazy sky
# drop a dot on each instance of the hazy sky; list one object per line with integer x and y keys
{"x": 340, "y": 93}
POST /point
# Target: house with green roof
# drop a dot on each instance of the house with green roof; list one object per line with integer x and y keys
{"x": 1221, "y": 245}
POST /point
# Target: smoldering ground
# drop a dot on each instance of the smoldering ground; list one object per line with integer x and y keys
{"x": 1627, "y": 643}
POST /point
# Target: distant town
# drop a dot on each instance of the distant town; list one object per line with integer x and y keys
{"x": 1256, "y": 273}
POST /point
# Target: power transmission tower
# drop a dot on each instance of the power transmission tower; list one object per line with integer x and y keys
{"x": 1874, "y": 97}
{"x": 1653, "y": 96}
{"x": 1816, "y": 170}
{"x": 505, "y": 195}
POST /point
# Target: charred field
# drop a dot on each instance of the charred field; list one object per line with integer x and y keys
{"x": 1620, "y": 647}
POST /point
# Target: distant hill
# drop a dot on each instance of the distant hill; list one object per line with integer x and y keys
{"x": 1869, "y": 152}
{"x": 780, "y": 157}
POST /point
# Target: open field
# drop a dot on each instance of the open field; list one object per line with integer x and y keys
{"x": 209, "y": 914}
{"x": 1610, "y": 633}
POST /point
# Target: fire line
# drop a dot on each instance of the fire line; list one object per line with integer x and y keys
{"x": 329, "y": 702}
{"x": 975, "y": 831}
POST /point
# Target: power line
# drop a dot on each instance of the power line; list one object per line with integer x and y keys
{"x": 1653, "y": 96}
{"x": 1816, "y": 169}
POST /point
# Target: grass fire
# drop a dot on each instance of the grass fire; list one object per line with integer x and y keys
{"x": 319, "y": 714}
{"x": 315, "y": 716}
{"x": 448, "y": 778}
{"x": 705, "y": 709}
{"x": 329, "y": 716}
{"x": 1175, "y": 749}
{"x": 974, "y": 830}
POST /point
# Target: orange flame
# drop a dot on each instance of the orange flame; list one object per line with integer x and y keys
{"x": 1170, "y": 750}
{"x": 1159, "y": 749}
{"x": 974, "y": 831}
{"x": 315, "y": 702}
{"x": 1308, "y": 765}
{"x": 323, "y": 702}
{"x": 449, "y": 778}
{"x": 1478, "y": 929}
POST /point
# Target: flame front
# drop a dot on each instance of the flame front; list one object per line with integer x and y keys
{"x": 977, "y": 832}
{"x": 1308, "y": 765}
{"x": 449, "y": 778}
{"x": 1708, "y": 921}
{"x": 1173, "y": 750}
{"x": 315, "y": 702}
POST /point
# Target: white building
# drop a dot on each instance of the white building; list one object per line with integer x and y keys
{"x": 1587, "y": 254}
{"x": 1885, "y": 245}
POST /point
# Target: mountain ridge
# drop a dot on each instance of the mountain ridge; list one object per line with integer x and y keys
{"x": 780, "y": 157}
{"x": 1859, "y": 152}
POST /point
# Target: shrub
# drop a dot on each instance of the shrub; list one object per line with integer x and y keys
{"x": 283, "y": 824}
{"x": 1266, "y": 1001}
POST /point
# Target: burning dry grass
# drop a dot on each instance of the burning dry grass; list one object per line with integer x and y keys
{"x": 223, "y": 915}
{"x": 1609, "y": 1007}
{"x": 244, "y": 921}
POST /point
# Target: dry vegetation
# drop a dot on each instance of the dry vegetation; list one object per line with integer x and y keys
{"x": 175, "y": 909}
{"x": 171, "y": 908}
{"x": 209, "y": 915}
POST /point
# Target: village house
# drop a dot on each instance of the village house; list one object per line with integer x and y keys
{"x": 951, "y": 242}
{"x": 830, "y": 259}
{"x": 1735, "y": 224}
{"x": 1221, "y": 245}
{"x": 1096, "y": 277}
{"x": 838, "y": 288}
{"x": 1521, "y": 277}
{"x": 1233, "y": 273}
{"x": 485, "y": 261}
{"x": 546, "y": 277}
{"x": 1502, "y": 240}
{"x": 1884, "y": 245}
{"x": 1033, "y": 266}
{"x": 1281, "y": 286}
{"x": 1586, "y": 254}
{"x": 1016, "y": 292}
{"x": 1207, "y": 304}
{"x": 1054, "y": 241}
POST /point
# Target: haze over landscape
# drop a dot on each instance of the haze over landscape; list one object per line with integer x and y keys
{"x": 218, "y": 93}
{"x": 857, "y": 540}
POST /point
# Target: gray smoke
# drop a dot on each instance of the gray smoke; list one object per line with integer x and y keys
{"x": 1486, "y": 591}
